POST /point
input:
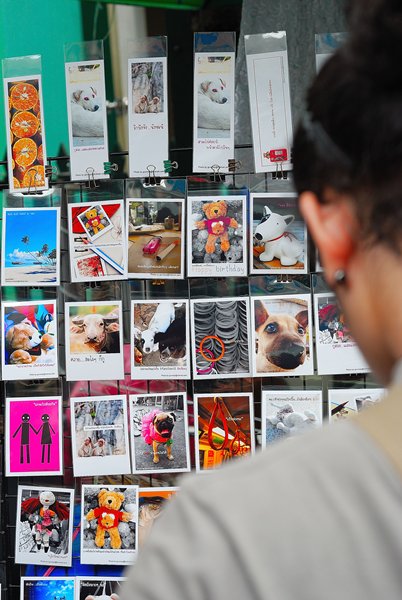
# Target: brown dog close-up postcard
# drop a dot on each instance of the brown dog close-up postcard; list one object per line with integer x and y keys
{"x": 151, "y": 502}
{"x": 159, "y": 433}
{"x": 109, "y": 524}
{"x": 225, "y": 428}
{"x": 94, "y": 340}
{"x": 281, "y": 335}
{"x": 29, "y": 348}
{"x": 343, "y": 403}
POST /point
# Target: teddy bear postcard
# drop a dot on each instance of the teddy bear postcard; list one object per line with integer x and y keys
{"x": 278, "y": 240}
{"x": 98, "y": 588}
{"x": 216, "y": 236}
{"x": 29, "y": 348}
{"x": 47, "y": 588}
{"x": 288, "y": 413}
{"x": 97, "y": 239}
{"x": 109, "y": 524}
{"x": 43, "y": 534}
{"x": 343, "y": 403}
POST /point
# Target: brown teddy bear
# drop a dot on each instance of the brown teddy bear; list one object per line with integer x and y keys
{"x": 94, "y": 220}
{"x": 108, "y": 517}
{"x": 217, "y": 224}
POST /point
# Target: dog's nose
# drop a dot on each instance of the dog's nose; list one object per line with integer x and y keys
{"x": 289, "y": 357}
{"x": 224, "y": 100}
{"x": 96, "y": 107}
{"x": 258, "y": 236}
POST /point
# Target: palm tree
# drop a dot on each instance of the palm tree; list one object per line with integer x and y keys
{"x": 52, "y": 256}
{"x": 25, "y": 240}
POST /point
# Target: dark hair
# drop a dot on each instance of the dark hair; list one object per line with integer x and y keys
{"x": 351, "y": 138}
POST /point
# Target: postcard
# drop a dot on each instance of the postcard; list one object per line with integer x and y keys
{"x": 160, "y": 341}
{"x": 220, "y": 338}
{"x": 25, "y": 130}
{"x": 337, "y": 352}
{"x": 34, "y": 436}
{"x": 87, "y": 123}
{"x": 147, "y": 115}
{"x": 44, "y": 525}
{"x": 99, "y": 435}
{"x": 278, "y": 243}
{"x": 152, "y": 501}
{"x": 159, "y": 433}
{"x": 105, "y": 260}
{"x": 213, "y": 139}
{"x": 29, "y": 348}
{"x": 225, "y": 426}
{"x": 94, "y": 340}
{"x": 282, "y": 335}
{"x": 47, "y": 588}
{"x": 155, "y": 238}
{"x": 216, "y": 236}
{"x": 288, "y": 413}
{"x": 109, "y": 524}
{"x": 98, "y": 588}
{"x": 342, "y": 403}
{"x": 31, "y": 247}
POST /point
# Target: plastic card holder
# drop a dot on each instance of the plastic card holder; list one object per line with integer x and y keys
{"x": 148, "y": 107}
{"x": 25, "y": 127}
{"x": 86, "y": 110}
{"x": 268, "y": 82}
{"x": 325, "y": 45}
{"x": 213, "y": 134}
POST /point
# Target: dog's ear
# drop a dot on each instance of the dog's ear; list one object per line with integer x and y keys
{"x": 302, "y": 318}
{"x": 77, "y": 95}
{"x": 267, "y": 211}
{"x": 173, "y": 416}
{"x": 94, "y": 90}
{"x": 222, "y": 82}
{"x": 77, "y": 325}
{"x": 260, "y": 313}
{"x": 10, "y": 336}
{"x": 289, "y": 219}
{"x": 205, "y": 85}
{"x": 157, "y": 337}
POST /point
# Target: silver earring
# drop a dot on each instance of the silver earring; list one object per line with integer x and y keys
{"x": 340, "y": 277}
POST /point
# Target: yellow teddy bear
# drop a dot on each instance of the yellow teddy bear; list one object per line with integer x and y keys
{"x": 108, "y": 517}
{"x": 94, "y": 220}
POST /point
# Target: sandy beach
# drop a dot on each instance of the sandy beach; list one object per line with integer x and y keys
{"x": 30, "y": 275}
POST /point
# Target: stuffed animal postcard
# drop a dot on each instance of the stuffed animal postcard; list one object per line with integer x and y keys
{"x": 220, "y": 338}
{"x": 278, "y": 241}
{"x": 47, "y": 588}
{"x": 159, "y": 433}
{"x": 99, "y": 588}
{"x": 343, "y": 403}
{"x": 34, "y": 436}
{"x": 109, "y": 524}
{"x": 225, "y": 426}
{"x": 29, "y": 348}
{"x": 160, "y": 341}
{"x": 155, "y": 238}
{"x": 30, "y": 247}
{"x": 99, "y": 435}
{"x": 152, "y": 501}
{"x": 97, "y": 252}
{"x": 43, "y": 534}
{"x": 282, "y": 335}
{"x": 286, "y": 414}
{"x": 217, "y": 236}
{"x": 94, "y": 341}
{"x": 337, "y": 352}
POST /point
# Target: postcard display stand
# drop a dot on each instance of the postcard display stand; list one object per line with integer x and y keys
{"x": 153, "y": 299}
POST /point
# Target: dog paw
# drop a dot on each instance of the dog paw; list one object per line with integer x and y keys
{"x": 170, "y": 457}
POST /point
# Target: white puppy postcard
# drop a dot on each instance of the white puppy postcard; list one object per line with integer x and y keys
{"x": 109, "y": 524}
{"x": 152, "y": 502}
{"x": 281, "y": 335}
{"x": 94, "y": 340}
{"x": 159, "y": 433}
{"x": 343, "y": 403}
{"x": 99, "y": 436}
{"x": 160, "y": 346}
{"x": 99, "y": 588}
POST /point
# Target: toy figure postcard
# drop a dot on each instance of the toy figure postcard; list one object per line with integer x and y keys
{"x": 47, "y": 588}
{"x": 109, "y": 524}
{"x": 25, "y": 129}
{"x": 29, "y": 348}
{"x": 216, "y": 236}
{"x": 278, "y": 243}
{"x": 160, "y": 347}
{"x": 337, "y": 352}
{"x": 225, "y": 426}
{"x": 343, "y": 403}
{"x": 220, "y": 338}
{"x": 155, "y": 238}
{"x": 44, "y": 525}
{"x": 98, "y": 588}
{"x": 87, "y": 123}
{"x": 288, "y": 413}
{"x": 30, "y": 247}
{"x": 99, "y": 436}
{"x": 34, "y": 436}
{"x": 97, "y": 240}
{"x": 159, "y": 433}
{"x": 94, "y": 341}
{"x": 152, "y": 502}
{"x": 281, "y": 335}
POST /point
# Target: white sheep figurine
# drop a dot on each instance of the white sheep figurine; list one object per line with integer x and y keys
{"x": 279, "y": 243}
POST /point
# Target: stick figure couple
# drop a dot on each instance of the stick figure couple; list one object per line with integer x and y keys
{"x": 46, "y": 438}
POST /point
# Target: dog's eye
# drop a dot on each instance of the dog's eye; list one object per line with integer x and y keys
{"x": 214, "y": 90}
{"x": 300, "y": 330}
{"x": 30, "y": 337}
{"x": 272, "y": 328}
{"x": 86, "y": 98}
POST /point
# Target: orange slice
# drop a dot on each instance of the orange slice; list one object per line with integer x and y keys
{"x": 24, "y": 124}
{"x": 40, "y": 154}
{"x": 34, "y": 177}
{"x": 24, "y": 96}
{"x": 16, "y": 182}
{"x": 24, "y": 152}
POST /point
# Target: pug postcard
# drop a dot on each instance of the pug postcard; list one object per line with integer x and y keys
{"x": 343, "y": 403}
{"x": 47, "y": 588}
{"x": 99, "y": 588}
{"x": 159, "y": 433}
